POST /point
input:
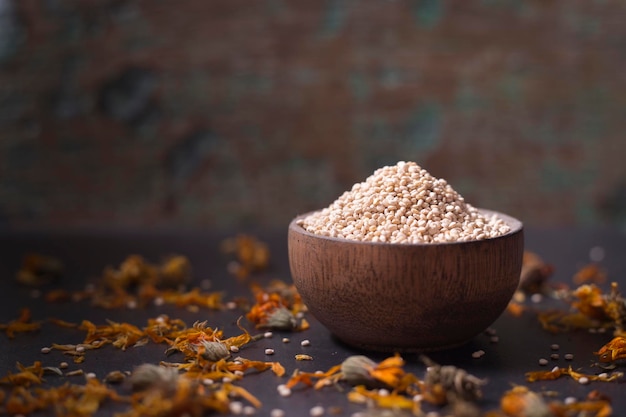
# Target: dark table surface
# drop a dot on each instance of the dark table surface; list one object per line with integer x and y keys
{"x": 522, "y": 341}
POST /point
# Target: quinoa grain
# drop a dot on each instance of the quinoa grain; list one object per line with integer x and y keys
{"x": 403, "y": 204}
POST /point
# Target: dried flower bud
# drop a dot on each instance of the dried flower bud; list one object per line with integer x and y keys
{"x": 520, "y": 401}
{"x": 148, "y": 376}
{"x": 214, "y": 351}
{"x": 281, "y": 319}
{"x": 456, "y": 382}
{"x": 356, "y": 371}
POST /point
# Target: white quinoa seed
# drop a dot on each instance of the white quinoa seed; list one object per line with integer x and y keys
{"x": 583, "y": 380}
{"x": 317, "y": 411}
{"x": 403, "y": 203}
{"x": 305, "y": 342}
{"x": 249, "y": 410}
{"x": 46, "y": 349}
{"x": 568, "y": 356}
{"x": 234, "y": 349}
{"x": 268, "y": 335}
{"x": 543, "y": 362}
{"x": 277, "y": 412}
{"x": 478, "y": 354}
{"x": 286, "y": 340}
{"x": 235, "y": 407}
{"x": 269, "y": 351}
{"x": 283, "y": 390}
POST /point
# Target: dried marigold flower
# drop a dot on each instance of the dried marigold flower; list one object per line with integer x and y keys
{"x": 252, "y": 254}
{"x": 148, "y": 376}
{"x": 38, "y": 269}
{"x": 534, "y": 274}
{"x": 213, "y": 350}
{"x": 522, "y": 402}
{"x": 174, "y": 272}
{"x": 276, "y": 308}
{"x": 591, "y": 302}
{"x": 360, "y": 370}
{"x": 596, "y": 405}
{"x": 356, "y": 370}
{"x": 613, "y": 350}
{"x": 590, "y": 273}
{"x": 361, "y": 395}
{"x": 280, "y": 319}
{"x": 578, "y": 376}
{"x": 454, "y": 382}
{"x": 27, "y": 375}
{"x": 594, "y": 310}
{"x": 22, "y": 324}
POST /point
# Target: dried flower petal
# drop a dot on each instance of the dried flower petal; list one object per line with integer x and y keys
{"x": 22, "y": 324}
{"x": 27, "y": 376}
{"x": 362, "y": 395}
{"x": 558, "y": 372}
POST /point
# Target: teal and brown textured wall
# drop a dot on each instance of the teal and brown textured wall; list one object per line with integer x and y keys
{"x": 228, "y": 113}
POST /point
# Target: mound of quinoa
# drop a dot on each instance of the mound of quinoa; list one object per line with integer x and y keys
{"x": 403, "y": 203}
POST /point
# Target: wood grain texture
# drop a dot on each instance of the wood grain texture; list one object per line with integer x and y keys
{"x": 406, "y": 297}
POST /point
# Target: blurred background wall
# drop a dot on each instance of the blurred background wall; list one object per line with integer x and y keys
{"x": 232, "y": 113}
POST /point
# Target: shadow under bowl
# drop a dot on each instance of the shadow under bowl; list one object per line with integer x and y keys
{"x": 406, "y": 297}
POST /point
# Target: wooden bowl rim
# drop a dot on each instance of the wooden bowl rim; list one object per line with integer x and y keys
{"x": 516, "y": 226}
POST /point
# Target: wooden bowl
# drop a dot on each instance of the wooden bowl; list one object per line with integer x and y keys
{"x": 406, "y": 297}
